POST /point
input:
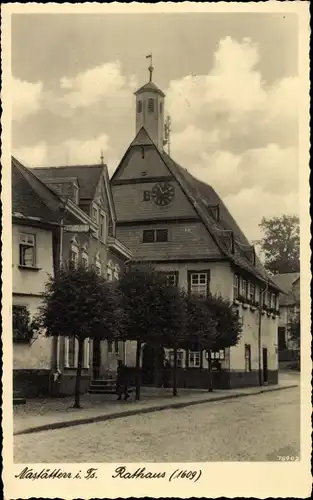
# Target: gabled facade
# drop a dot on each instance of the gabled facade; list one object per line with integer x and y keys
{"x": 171, "y": 219}
{"x": 72, "y": 219}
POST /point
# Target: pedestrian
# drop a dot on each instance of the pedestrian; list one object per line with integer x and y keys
{"x": 121, "y": 381}
{"x": 166, "y": 373}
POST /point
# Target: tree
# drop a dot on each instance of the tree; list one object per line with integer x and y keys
{"x": 294, "y": 327}
{"x": 152, "y": 310}
{"x": 81, "y": 304}
{"x": 281, "y": 243}
{"x": 228, "y": 328}
{"x": 23, "y": 327}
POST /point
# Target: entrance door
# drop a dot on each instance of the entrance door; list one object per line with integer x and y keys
{"x": 265, "y": 371}
{"x": 96, "y": 358}
{"x": 152, "y": 364}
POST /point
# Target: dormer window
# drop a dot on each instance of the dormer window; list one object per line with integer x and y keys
{"x": 150, "y": 105}
{"x": 139, "y": 106}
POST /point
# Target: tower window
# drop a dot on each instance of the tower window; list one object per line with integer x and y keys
{"x": 139, "y": 106}
{"x": 161, "y": 107}
{"x": 150, "y": 105}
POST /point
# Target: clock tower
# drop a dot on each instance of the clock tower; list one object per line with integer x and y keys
{"x": 150, "y": 110}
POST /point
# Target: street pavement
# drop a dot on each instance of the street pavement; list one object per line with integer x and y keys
{"x": 254, "y": 428}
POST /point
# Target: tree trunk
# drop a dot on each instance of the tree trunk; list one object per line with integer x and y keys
{"x": 175, "y": 372}
{"x": 79, "y": 372}
{"x": 138, "y": 349}
{"x": 210, "y": 381}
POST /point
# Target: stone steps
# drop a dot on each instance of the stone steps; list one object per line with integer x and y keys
{"x": 102, "y": 386}
{"x": 18, "y": 399}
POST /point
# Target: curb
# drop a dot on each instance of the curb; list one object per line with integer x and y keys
{"x": 127, "y": 413}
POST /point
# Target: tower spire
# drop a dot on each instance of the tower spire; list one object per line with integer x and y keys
{"x": 101, "y": 157}
{"x": 151, "y": 68}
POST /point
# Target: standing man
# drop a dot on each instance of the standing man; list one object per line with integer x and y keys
{"x": 121, "y": 381}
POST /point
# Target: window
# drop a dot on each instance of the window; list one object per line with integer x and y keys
{"x": 274, "y": 301}
{"x": 116, "y": 347}
{"x": 148, "y": 236}
{"x": 74, "y": 255}
{"x": 243, "y": 288}
{"x": 110, "y": 268}
{"x": 27, "y": 250}
{"x": 194, "y": 359}
{"x": 247, "y": 357}
{"x": 236, "y": 286}
{"x": 110, "y": 344}
{"x": 150, "y": 105}
{"x": 95, "y": 214}
{"x": 252, "y": 292}
{"x": 102, "y": 226}
{"x": 139, "y": 106}
{"x": 199, "y": 284}
{"x": 281, "y": 338}
{"x": 116, "y": 272}
{"x": 98, "y": 264}
{"x": 71, "y": 353}
{"x": 161, "y": 235}
{"x": 20, "y": 324}
{"x": 152, "y": 235}
{"x": 171, "y": 278}
{"x": 85, "y": 258}
{"x": 180, "y": 358}
{"x": 218, "y": 354}
{"x": 161, "y": 107}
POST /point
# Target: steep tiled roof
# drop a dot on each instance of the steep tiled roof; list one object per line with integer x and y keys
{"x": 88, "y": 176}
{"x": 285, "y": 282}
{"x": 150, "y": 86}
{"x": 205, "y": 200}
{"x": 26, "y": 201}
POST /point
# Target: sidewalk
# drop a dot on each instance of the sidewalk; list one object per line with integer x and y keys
{"x": 40, "y": 415}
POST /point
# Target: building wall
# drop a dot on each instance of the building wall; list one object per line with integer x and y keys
{"x": 130, "y": 204}
{"x": 140, "y": 163}
{"x": 32, "y": 361}
{"x": 32, "y": 281}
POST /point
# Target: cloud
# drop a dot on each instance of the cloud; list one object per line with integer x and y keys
{"x": 70, "y": 152}
{"x": 26, "y": 98}
{"x": 239, "y": 134}
{"x": 101, "y": 83}
{"x": 233, "y": 98}
{"x": 249, "y": 205}
{"x": 32, "y": 156}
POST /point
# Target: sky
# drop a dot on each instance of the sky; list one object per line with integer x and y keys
{"x": 231, "y": 85}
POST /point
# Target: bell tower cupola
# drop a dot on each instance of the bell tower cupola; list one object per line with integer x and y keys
{"x": 150, "y": 109}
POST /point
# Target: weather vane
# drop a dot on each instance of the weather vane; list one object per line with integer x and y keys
{"x": 101, "y": 157}
{"x": 151, "y": 68}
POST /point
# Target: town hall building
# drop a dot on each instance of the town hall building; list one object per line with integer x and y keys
{"x": 167, "y": 217}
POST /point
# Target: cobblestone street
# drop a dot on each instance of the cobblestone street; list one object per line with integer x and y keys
{"x": 254, "y": 428}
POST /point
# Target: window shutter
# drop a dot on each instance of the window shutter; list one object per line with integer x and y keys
{"x": 66, "y": 341}
{"x": 76, "y": 353}
{"x": 86, "y": 352}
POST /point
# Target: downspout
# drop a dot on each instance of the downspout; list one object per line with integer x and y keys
{"x": 260, "y": 331}
{"x": 57, "y": 371}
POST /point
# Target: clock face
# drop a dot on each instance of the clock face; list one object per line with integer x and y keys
{"x": 162, "y": 193}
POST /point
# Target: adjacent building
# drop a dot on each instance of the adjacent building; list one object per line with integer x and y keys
{"x": 289, "y": 307}
{"x": 60, "y": 214}
{"x": 167, "y": 217}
